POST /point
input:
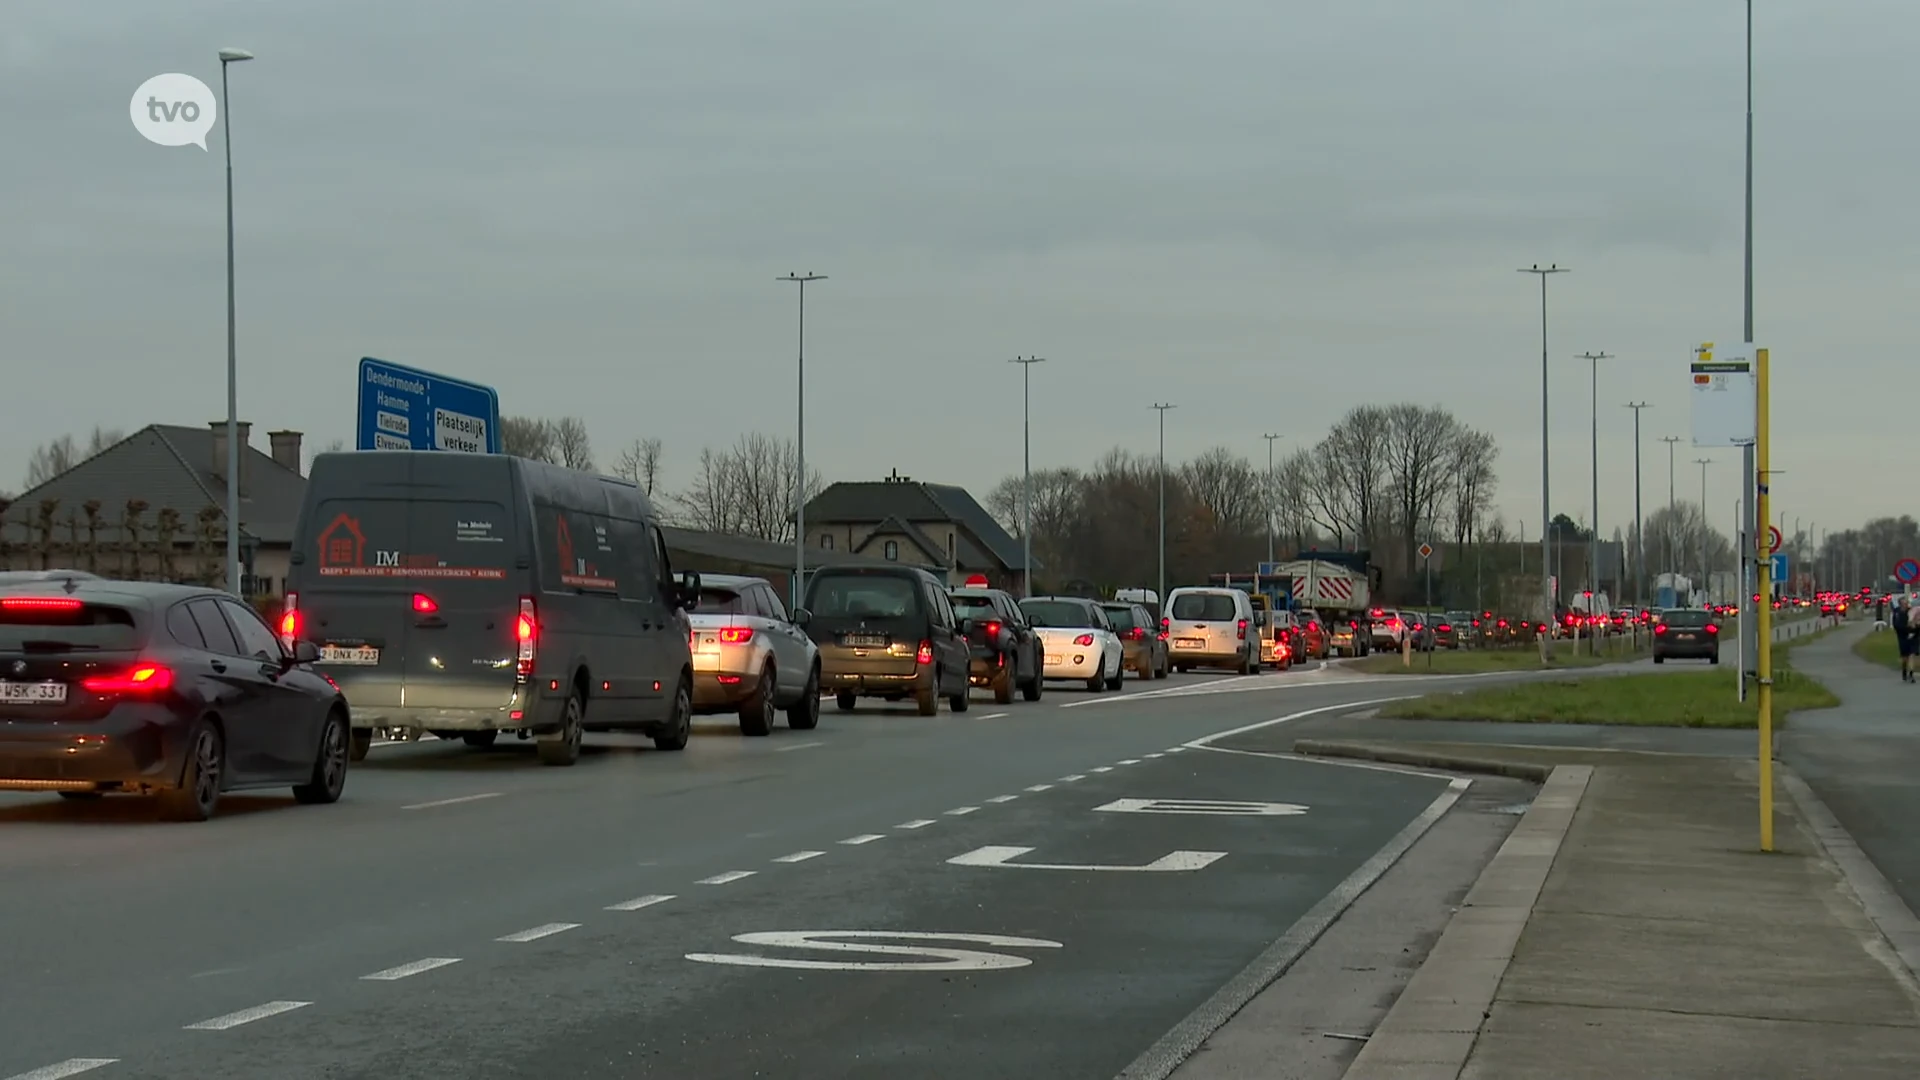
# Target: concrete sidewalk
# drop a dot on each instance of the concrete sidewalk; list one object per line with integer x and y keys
{"x": 1630, "y": 928}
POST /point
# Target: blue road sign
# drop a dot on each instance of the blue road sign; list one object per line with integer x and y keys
{"x": 403, "y": 408}
{"x": 1269, "y": 569}
{"x": 1907, "y": 571}
{"x": 1779, "y": 572}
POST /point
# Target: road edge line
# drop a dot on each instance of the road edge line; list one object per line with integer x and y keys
{"x": 1172, "y": 1050}
{"x": 1871, "y": 889}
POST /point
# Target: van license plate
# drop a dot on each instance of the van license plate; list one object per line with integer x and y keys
{"x": 349, "y": 654}
{"x": 33, "y": 693}
{"x": 1188, "y": 643}
{"x": 866, "y": 641}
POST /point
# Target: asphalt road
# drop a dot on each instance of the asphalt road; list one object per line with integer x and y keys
{"x": 473, "y": 914}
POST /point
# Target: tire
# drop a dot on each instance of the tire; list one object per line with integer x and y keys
{"x": 927, "y": 700}
{"x": 1658, "y": 659}
{"x": 804, "y": 715}
{"x": 329, "y": 777}
{"x": 1098, "y": 684}
{"x": 1162, "y": 671}
{"x": 362, "y": 744}
{"x": 844, "y": 701}
{"x": 1183, "y": 668}
{"x": 1034, "y": 687}
{"x": 679, "y": 729}
{"x": 563, "y": 748}
{"x": 201, "y": 778}
{"x": 1003, "y": 684}
{"x": 1145, "y": 671}
{"x": 479, "y": 740}
{"x": 1714, "y": 659}
{"x": 757, "y": 712}
{"x": 959, "y": 702}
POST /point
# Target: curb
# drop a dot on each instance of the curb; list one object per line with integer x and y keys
{"x": 1431, "y": 1028}
{"x": 1517, "y": 770}
{"x": 1883, "y": 905}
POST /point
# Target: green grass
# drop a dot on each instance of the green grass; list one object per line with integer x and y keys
{"x": 1878, "y": 649}
{"x": 1507, "y": 658}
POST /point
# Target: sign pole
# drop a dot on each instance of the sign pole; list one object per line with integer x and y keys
{"x": 1764, "y": 665}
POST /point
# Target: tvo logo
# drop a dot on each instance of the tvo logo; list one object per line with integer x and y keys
{"x": 174, "y": 110}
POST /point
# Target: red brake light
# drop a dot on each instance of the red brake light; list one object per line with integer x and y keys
{"x": 1660, "y": 628}
{"x": 1138, "y": 633}
{"x": 424, "y": 604}
{"x": 290, "y": 620}
{"x": 925, "y": 655}
{"x": 41, "y": 603}
{"x": 993, "y": 629}
{"x": 1713, "y": 628}
{"x": 142, "y": 678}
{"x": 1241, "y": 629}
{"x": 736, "y": 635}
{"x": 1165, "y": 624}
{"x": 526, "y": 633}
{"x": 1445, "y": 629}
{"x": 1083, "y": 639}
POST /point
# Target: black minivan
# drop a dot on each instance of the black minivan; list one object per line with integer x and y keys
{"x": 470, "y": 594}
{"x": 887, "y": 632}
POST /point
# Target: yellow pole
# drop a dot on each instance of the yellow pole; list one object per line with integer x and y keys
{"x": 1764, "y": 662}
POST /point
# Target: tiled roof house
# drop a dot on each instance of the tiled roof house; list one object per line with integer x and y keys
{"x": 898, "y": 518}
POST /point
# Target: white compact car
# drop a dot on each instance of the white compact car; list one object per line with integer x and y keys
{"x": 1079, "y": 641}
{"x": 750, "y": 657}
{"x": 1211, "y": 628}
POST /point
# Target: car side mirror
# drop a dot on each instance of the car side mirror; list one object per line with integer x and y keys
{"x": 801, "y": 616}
{"x": 687, "y": 592}
{"x": 965, "y": 626}
{"x": 305, "y": 652}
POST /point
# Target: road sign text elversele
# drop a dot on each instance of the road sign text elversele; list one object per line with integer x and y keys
{"x": 403, "y": 408}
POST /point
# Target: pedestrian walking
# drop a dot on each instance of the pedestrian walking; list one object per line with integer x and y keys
{"x": 1903, "y": 637}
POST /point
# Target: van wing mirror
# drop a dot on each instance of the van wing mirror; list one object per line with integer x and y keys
{"x": 687, "y": 590}
{"x": 305, "y": 652}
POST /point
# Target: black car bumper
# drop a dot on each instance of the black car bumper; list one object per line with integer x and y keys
{"x": 138, "y": 748}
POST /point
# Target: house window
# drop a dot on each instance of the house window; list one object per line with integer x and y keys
{"x": 893, "y": 551}
{"x": 826, "y": 541}
{"x": 949, "y": 547}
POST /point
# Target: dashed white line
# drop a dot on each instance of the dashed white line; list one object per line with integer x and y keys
{"x": 995, "y": 715}
{"x": 63, "y": 1069}
{"x": 863, "y": 838}
{"x": 1131, "y": 761}
{"x": 1155, "y": 755}
{"x": 450, "y": 802}
{"x": 800, "y": 856}
{"x": 1101, "y": 768}
{"x": 1003, "y": 798}
{"x": 960, "y": 810}
{"x": 1041, "y": 787}
{"x": 727, "y": 878}
{"x": 1176, "y": 749}
{"x": 247, "y": 1016}
{"x": 538, "y": 932}
{"x": 917, "y": 823}
{"x": 639, "y": 902}
{"x": 799, "y": 746}
{"x": 395, "y": 974}
{"x": 1071, "y": 777}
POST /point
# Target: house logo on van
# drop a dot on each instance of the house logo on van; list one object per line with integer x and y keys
{"x": 342, "y": 544}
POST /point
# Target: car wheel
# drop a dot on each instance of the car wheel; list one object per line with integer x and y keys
{"x": 329, "y": 767}
{"x": 1119, "y": 673}
{"x": 927, "y": 699}
{"x": 1003, "y": 684}
{"x": 1658, "y": 659}
{"x": 843, "y": 701}
{"x": 1098, "y": 684}
{"x": 1033, "y": 687}
{"x": 959, "y": 702}
{"x": 479, "y": 740}
{"x": 756, "y": 713}
{"x": 201, "y": 779}
{"x": 362, "y": 744}
{"x": 1162, "y": 671}
{"x": 679, "y": 727}
{"x": 1714, "y": 659}
{"x": 563, "y": 747}
{"x": 804, "y": 715}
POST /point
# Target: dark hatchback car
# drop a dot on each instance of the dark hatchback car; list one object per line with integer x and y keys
{"x": 174, "y": 691}
{"x": 889, "y": 633}
{"x": 1686, "y": 634}
{"x": 1140, "y": 634}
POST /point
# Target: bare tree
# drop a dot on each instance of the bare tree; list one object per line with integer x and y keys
{"x": 60, "y": 455}
{"x": 712, "y": 502}
{"x": 639, "y": 464}
{"x": 747, "y": 489}
{"x": 528, "y": 437}
{"x": 570, "y": 443}
{"x": 1472, "y": 482}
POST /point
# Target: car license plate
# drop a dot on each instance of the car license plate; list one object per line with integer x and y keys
{"x": 1188, "y": 643}
{"x": 1054, "y": 658}
{"x": 33, "y": 693}
{"x": 349, "y": 654}
{"x": 1684, "y": 637}
{"x": 866, "y": 641}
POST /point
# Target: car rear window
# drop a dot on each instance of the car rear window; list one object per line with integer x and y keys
{"x": 63, "y": 623}
{"x": 1205, "y": 607}
{"x": 1120, "y": 615}
{"x": 869, "y": 596}
{"x": 382, "y": 544}
{"x": 1686, "y": 618}
{"x": 720, "y": 602}
{"x": 1060, "y": 613}
{"x": 973, "y": 607}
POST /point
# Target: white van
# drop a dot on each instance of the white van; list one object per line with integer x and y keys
{"x": 1212, "y": 628}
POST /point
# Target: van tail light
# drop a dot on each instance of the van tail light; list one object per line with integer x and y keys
{"x": 993, "y": 630}
{"x": 1713, "y": 628}
{"x": 1240, "y": 630}
{"x": 1083, "y": 639}
{"x": 424, "y": 604}
{"x": 526, "y": 634}
{"x": 925, "y": 655}
{"x": 290, "y": 621}
{"x": 1166, "y": 624}
{"x": 138, "y": 679}
{"x": 735, "y": 635}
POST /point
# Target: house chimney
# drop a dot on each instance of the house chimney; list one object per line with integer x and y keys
{"x": 219, "y": 440}
{"x": 286, "y": 449}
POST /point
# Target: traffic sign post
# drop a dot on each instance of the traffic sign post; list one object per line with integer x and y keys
{"x": 1779, "y": 573}
{"x": 403, "y": 408}
{"x": 1773, "y": 541}
{"x": 1906, "y": 571}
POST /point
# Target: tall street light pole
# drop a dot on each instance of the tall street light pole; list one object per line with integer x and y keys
{"x": 231, "y": 56}
{"x": 800, "y": 446}
{"x": 1162, "y": 408}
{"x": 1639, "y": 523}
{"x": 1546, "y": 497}
{"x": 1706, "y": 522}
{"x": 1593, "y": 535}
{"x": 1026, "y": 468}
{"x": 1750, "y": 476}
{"x": 1672, "y": 557}
{"x": 1269, "y": 499}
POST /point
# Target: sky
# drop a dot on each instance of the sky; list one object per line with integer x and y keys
{"x": 1265, "y": 213}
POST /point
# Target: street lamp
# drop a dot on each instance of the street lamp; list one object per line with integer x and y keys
{"x": 1162, "y": 408}
{"x": 231, "y": 56}
{"x": 1639, "y": 523}
{"x": 1026, "y": 467}
{"x": 1673, "y": 557}
{"x": 800, "y": 446}
{"x": 1269, "y": 499}
{"x": 1706, "y": 522}
{"x": 1546, "y": 500}
{"x": 1593, "y": 537}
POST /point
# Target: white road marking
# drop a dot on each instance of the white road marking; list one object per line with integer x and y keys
{"x": 1204, "y": 741}
{"x": 799, "y": 746}
{"x": 1101, "y": 768}
{"x": 1203, "y": 806}
{"x": 538, "y": 932}
{"x": 1176, "y": 749}
{"x": 1349, "y": 763}
{"x": 639, "y": 902}
{"x": 863, "y": 838}
{"x": 1155, "y": 754}
{"x": 247, "y": 1016}
{"x": 800, "y": 856}
{"x": 960, "y": 810}
{"x": 1071, "y": 777}
{"x": 450, "y": 802}
{"x": 1041, "y": 787}
{"x": 1172, "y": 862}
{"x": 995, "y": 715}
{"x": 395, "y": 974}
{"x": 812, "y": 940}
{"x": 917, "y": 823}
{"x": 727, "y": 878}
{"x": 1003, "y": 798}
{"x": 63, "y": 1069}
{"x": 1131, "y": 761}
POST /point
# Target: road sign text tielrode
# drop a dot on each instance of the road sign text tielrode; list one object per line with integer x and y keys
{"x": 403, "y": 408}
{"x": 1725, "y": 393}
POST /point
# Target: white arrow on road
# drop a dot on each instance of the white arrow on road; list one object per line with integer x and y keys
{"x": 1169, "y": 863}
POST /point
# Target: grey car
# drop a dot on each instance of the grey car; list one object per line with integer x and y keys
{"x": 749, "y": 657}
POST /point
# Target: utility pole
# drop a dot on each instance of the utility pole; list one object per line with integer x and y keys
{"x": 1026, "y": 468}
{"x": 234, "y": 449}
{"x": 800, "y": 448}
{"x": 1639, "y": 523}
{"x": 1546, "y": 499}
{"x": 1162, "y": 408}
{"x": 1593, "y": 537}
{"x": 1269, "y": 499}
{"x": 1672, "y": 557}
{"x": 1706, "y": 521}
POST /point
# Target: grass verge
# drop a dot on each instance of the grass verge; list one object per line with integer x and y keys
{"x": 1476, "y": 661}
{"x": 1879, "y": 648}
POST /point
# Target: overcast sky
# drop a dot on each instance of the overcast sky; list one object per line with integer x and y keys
{"x": 1266, "y": 212}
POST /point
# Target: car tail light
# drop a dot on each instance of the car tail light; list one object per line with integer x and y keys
{"x": 41, "y": 603}
{"x": 925, "y": 655}
{"x": 993, "y": 629}
{"x": 526, "y": 632}
{"x": 1138, "y": 633}
{"x": 1241, "y": 630}
{"x": 1712, "y": 629}
{"x": 1166, "y": 624}
{"x": 1445, "y": 629}
{"x": 424, "y": 604}
{"x": 1083, "y": 639}
{"x": 1501, "y": 625}
{"x": 139, "y": 679}
{"x": 290, "y": 620}
{"x": 735, "y": 635}
{"x": 1660, "y": 628}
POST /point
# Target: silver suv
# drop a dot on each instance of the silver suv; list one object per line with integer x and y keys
{"x": 750, "y": 657}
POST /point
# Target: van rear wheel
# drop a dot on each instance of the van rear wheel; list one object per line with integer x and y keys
{"x": 563, "y": 747}
{"x": 927, "y": 699}
{"x": 679, "y": 727}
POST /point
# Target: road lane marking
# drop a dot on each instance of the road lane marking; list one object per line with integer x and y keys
{"x": 1203, "y": 806}
{"x": 1003, "y": 798}
{"x": 995, "y": 715}
{"x": 1041, "y": 787}
{"x": 1155, "y": 754}
{"x": 247, "y": 1016}
{"x": 1131, "y": 761}
{"x": 639, "y": 902}
{"x": 450, "y": 802}
{"x": 62, "y": 1070}
{"x": 1071, "y": 777}
{"x": 863, "y": 838}
{"x": 1172, "y": 862}
{"x": 800, "y": 746}
{"x": 1101, "y": 768}
{"x": 958, "y": 811}
{"x": 727, "y": 878}
{"x": 800, "y": 856}
{"x": 926, "y": 958}
{"x": 1176, "y": 749}
{"x": 395, "y": 974}
{"x": 538, "y": 932}
{"x": 917, "y": 823}
{"x": 1204, "y": 741}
